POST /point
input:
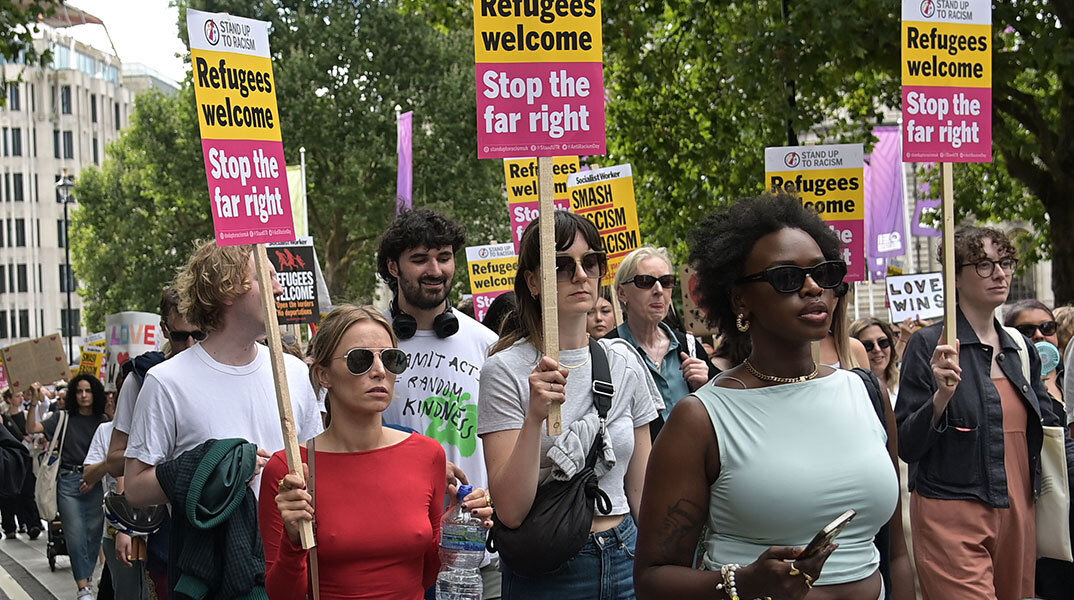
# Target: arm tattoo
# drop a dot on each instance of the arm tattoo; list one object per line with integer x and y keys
{"x": 679, "y": 531}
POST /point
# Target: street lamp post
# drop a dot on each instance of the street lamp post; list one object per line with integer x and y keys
{"x": 64, "y": 185}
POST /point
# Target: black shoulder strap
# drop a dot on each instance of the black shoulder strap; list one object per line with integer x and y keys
{"x": 872, "y": 385}
{"x": 602, "y": 379}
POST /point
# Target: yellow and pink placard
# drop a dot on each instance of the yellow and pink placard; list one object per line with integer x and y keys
{"x": 523, "y": 202}
{"x": 606, "y": 197}
{"x": 947, "y": 81}
{"x": 540, "y": 78}
{"x": 240, "y": 129}
{"x": 492, "y": 272}
{"x": 831, "y": 181}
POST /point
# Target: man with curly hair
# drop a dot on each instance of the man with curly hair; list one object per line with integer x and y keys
{"x": 221, "y": 387}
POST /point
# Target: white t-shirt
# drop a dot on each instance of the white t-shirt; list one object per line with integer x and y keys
{"x": 437, "y": 394}
{"x": 192, "y": 398}
{"x": 128, "y": 397}
{"x": 98, "y": 452}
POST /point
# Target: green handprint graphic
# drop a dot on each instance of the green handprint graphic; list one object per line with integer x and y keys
{"x": 452, "y": 420}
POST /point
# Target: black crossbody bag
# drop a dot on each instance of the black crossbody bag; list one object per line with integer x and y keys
{"x": 559, "y": 521}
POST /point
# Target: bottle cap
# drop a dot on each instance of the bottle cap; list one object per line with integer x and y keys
{"x": 1049, "y": 357}
{"x": 464, "y": 491}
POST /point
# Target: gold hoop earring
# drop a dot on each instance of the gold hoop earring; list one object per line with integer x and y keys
{"x": 742, "y": 324}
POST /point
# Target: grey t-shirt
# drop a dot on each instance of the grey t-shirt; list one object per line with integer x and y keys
{"x": 505, "y": 398}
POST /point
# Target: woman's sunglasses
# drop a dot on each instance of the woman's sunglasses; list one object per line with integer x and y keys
{"x": 360, "y": 360}
{"x": 180, "y": 337}
{"x": 595, "y": 264}
{"x": 884, "y": 344}
{"x": 646, "y": 282}
{"x": 1046, "y": 328}
{"x": 788, "y": 279}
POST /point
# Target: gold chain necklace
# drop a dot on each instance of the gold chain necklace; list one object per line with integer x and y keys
{"x": 581, "y": 364}
{"x": 772, "y": 378}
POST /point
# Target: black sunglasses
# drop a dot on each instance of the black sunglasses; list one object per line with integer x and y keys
{"x": 788, "y": 279}
{"x": 884, "y": 344}
{"x": 646, "y": 282}
{"x": 594, "y": 264}
{"x": 1046, "y": 328}
{"x": 360, "y": 360}
{"x": 180, "y": 337}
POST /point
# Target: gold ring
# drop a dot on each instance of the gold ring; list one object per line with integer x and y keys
{"x": 129, "y": 557}
{"x": 795, "y": 571}
{"x": 808, "y": 579}
{"x": 281, "y": 485}
{"x": 488, "y": 499}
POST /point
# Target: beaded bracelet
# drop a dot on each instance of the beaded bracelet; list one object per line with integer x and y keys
{"x": 728, "y": 584}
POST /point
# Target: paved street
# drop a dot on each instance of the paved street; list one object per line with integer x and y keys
{"x": 24, "y": 572}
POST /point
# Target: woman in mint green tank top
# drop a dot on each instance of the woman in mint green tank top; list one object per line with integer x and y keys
{"x": 756, "y": 462}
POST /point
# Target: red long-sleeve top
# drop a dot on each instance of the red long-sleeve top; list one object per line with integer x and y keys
{"x": 378, "y": 524}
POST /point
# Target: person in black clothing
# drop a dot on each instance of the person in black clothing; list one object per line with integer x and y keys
{"x": 21, "y": 505}
{"x": 81, "y": 505}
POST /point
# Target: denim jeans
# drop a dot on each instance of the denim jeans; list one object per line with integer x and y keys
{"x": 602, "y": 570}
{"x": 82, "y": 516}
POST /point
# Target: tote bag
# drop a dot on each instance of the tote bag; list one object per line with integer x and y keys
{"x": 48, "y": 472}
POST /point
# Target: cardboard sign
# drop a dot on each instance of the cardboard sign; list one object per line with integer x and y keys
{"x": 129, "y": 334}
{"x": 492, "y": 272}
{"x": 523, "y": 203}
{"x": 92, "y": 360}
{"x": 831, "y": 181}
{"x": 540, "y": 78}
{"x": 240, "y": 129}
{"x": 42, "y": 360}
{"x": 296, "y": 270}
{"x": 947, "y": 81}
{"x": 606, "y": 197}
{"x": 915, "y": 296}
{"x": 692, "y": 317}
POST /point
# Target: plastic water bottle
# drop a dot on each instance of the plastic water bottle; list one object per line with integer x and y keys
{"x": 462, "y": 548}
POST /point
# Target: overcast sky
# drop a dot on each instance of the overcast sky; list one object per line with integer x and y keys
{"x": 143, "y": 31}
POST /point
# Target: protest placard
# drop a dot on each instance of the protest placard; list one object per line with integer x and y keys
{"x": 947, "y": 80}
{"x": 92, "y": 360}
{"x": 540, "y": 78}
{"x": 917, "y": 296}
{"x": 830, "y": 180}
{"x": 692, "y": 316}
{"x": 606, "y": 197}
{"x": 492, "y": 272}
{"x": 129, "y": 334}
{"x": 296, "y": 270}
{"x": 235, "y": 91}
{"x": 42, "y": 359}
{"x": 523, "y": 201}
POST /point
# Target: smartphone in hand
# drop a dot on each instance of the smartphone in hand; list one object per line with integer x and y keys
{"x": 827, "y": 535}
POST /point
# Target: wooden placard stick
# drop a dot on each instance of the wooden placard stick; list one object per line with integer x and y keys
{"x": 549, "y": 309}
{"x": 617, "y": 308}
{"x": 279, "y": 376}
{"x": 950, "y": 324}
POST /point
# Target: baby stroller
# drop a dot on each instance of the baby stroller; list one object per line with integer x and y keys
{"x": 57, "y": 546}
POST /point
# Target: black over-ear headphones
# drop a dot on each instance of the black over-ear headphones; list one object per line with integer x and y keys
{"x": 446, "y": 324}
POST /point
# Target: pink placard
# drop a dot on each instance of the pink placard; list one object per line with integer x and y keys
{"x": 248, "y": 191}
{"x": 482, "y": 302}
{"x": 851, "y": 234}
{"x": 524, "y": 213}
{"x": 540, "y": 109}
{"x": 946, "y": 124}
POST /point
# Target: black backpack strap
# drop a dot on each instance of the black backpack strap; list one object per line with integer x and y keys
{"x": 872, "y": 385}
{"x": 602, "y": 379}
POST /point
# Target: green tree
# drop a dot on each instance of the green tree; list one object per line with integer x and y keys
{"x": 18, "y": 24}
{"x": 140, "y": 213}
{"x": 343, "y": 70}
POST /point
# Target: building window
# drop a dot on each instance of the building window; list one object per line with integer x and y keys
{"x": 61, "y": 234}
{"x": 96, "y": 157}
{"x": 93, "y": 108}
{"x": 68, "y": 144}
{"x": 37, "y": 187}
{"x": 33, "y": 98}
{"x": 70, "y": 322}
{"x": 13, "y": 102}
{"x": 23, "y": 279}
{"x": 117, "y": 116}
{"x": 16, "y": 187}
{"x": 24, "y": 323}
{"x": 7, "y": 187}
{"x": 20, "y": 233}
{"x": 67, "y": 278}
{"x": 56, "y": 143}
{"x": 33, "y": 135}
{"x": 3, "y": 324}
{"x": 37, "y": 230}
{"x": 4, "y": 148}
{"x": 40, "y": 279}
{"x": 3, "y": 280}
{"x": 16, "y": 141}
{"x": 65, "y": 100}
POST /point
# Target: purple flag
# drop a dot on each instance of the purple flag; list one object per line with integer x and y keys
{"x": 404, "y": 183}
{"x": 925, "y": 205}
{"x": 884, "y": 197}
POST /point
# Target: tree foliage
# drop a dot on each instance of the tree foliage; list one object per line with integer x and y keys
{"x": 18, "y": 24}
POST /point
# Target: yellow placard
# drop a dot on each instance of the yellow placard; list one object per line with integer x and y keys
{"x": 835, "y": 194}
{"x": 946, "y": 54}
{"x": 606, "y": 197}
{"x": 521, "y": 177}
{"x": 509, "y": 31}
{"x": 236, "y": 96}
{"x": 496, "y": 275}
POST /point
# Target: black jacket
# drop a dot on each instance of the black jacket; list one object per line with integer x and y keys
{"x": 961, "y": 458}
{"x": 216, "y": 551}
{"x": 14, "y": 464}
